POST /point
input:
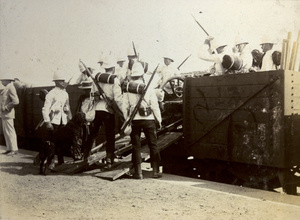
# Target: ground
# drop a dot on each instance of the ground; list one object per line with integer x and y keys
{"x": 24, "y": 194}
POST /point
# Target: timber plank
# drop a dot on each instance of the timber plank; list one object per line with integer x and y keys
{"x": 76, "y": 167}
{"x": 163, "y": 141}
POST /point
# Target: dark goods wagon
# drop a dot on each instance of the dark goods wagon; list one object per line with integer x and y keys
{"x": 245, "y": 127}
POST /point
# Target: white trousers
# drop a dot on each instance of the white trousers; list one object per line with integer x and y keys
{"x": 9, "y": 134}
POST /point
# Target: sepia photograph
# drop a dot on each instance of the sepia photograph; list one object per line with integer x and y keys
{"x": 149, "y": 109}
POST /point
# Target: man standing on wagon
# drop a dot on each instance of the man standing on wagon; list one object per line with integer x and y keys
{"x": 213, "y": 51}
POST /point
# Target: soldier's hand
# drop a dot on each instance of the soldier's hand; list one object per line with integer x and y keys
{"x": 49, "y": 126}
{"x": 4, "y": 109}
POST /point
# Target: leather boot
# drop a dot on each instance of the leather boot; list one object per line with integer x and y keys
{"x": 138, "y": 174}
{"x": 155, "y": 168}
{"x": 109, "y": 160}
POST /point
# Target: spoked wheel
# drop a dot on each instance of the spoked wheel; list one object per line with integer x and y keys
{"x": 173, "y": 99}
{"x": 173, "y": 88}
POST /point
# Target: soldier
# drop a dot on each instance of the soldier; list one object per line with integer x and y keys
{"x": 168, "y": 70}
{"x": 213, "y": 51}
{"x": 56, "y": 110}
{"x": 83, "y": 76}
{"x": 86, "y": 105}
{"x": 121, "y": 69}
{"x": 132, "y": 58}
{"x": 100, "y": 62}
{"x": 267, "y": 48}
{"x": 104, "y": 114}
{"x": 145, "y": 120}
{"x": 244, "y": 52}
{"x": 8, "y": 100}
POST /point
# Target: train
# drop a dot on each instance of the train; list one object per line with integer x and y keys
{"x": 242, "y": 129}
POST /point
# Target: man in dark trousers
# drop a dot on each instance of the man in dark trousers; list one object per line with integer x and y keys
{"x": 145, "y": 120}
{"x": 104, "y": 114}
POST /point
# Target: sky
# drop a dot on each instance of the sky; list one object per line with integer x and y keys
{"x": 39, "y": 37}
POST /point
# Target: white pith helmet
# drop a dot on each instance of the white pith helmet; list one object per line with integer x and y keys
{"x": 168, "y": 57}
{"x": 58, "y": 75}
{"x": 240, "y": 40}
{"x": 108, "y": 62}
{"x": 121, "y": 58}
{"x": 101, "y": 58}
{"x": 266, "y": 39}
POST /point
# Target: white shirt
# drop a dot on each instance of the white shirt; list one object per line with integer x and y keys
{"x": 217, "y": 69}
{"x": 267, "y": 61}
{"x": 247, "y": 58}
{"x": 130, "y": 100}
{"x": 121, "y": 73}
{"x": 56, "y": 107}
{"x": 112, "y": 91}
{"x": 167, "y": 72}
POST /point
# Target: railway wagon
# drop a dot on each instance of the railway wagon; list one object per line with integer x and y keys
{"x": 248, "y": 124}
{"x": 28, "y": 115}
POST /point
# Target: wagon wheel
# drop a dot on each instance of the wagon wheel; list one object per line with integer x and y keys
{"x": 173, "y": 89}
{"x": 173, "y": 99}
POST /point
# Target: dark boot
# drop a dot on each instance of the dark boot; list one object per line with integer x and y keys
{"x": 155, "y": 168}
{"x": 138, "y": 174}
{"x": 109, "y": 160}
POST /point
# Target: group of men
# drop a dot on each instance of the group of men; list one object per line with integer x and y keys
{"x": 239, "y": 59}
{"x": 101, "y": 88}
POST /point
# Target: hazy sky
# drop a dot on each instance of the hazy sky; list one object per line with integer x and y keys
{"x": 41, "y": 36}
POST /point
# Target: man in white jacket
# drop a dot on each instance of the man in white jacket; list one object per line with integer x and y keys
{"x": 8, "y": 100}
{"x": 213, "y": 51}
{"x": 267, "y": 47}
{"x": 243, "y": 50}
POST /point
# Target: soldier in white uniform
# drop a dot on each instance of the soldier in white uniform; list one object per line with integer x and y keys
{"x": 243, "y": 50}
{"x": 8, "y": 100}
{"x": 121, "y": 69}
{"x": 267, "y": 47}
{"x": 145, "y": 120}
{"x": 213, "y": 51}
{"x": 56, "y": 110}
{"x": 168, "y": 70}
{"x": 100, "y": 62}
{"x": 104, "y": 114}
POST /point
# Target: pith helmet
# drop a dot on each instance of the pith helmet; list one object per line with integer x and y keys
{"x": 108, "y": 63}
{"x": 215, "y": 44}
{"x": 137, "y": 69}
{"x": 168, "y": 57}
{"x": 241, "y": 40}
{"x": 6, "y": 76}
{"x": 266, "y": 39}
{"x": 101, "y": 58}
{"x": 130, "y": 51}
{"x": 58, "y": 76}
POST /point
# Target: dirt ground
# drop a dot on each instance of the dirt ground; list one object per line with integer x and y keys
{"x": 27, "y": 195}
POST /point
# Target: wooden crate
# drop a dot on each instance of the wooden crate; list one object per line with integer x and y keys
{"x": 250, "y": 118}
